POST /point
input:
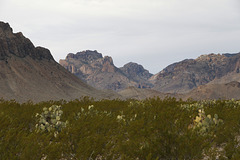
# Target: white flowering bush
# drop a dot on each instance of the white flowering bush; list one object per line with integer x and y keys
{"x": 50, "y": 119}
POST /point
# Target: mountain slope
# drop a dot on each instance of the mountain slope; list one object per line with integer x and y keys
{"x": 30, "y": 73}
{"x": 180, "y": 77}
{"x": 138, "y": 74}
{"x": 100, "y": 72}
{"x": 143, "y": 93}
{"x": 215, "y": 91}
{"x": 188, "y": 74}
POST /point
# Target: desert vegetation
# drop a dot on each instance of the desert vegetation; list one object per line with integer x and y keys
{"x": 150, "y": 129}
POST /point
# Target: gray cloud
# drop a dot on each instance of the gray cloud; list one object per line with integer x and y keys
{"x": 154, "y": 33}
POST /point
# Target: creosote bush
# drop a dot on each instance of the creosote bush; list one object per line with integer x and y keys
{"x": 121, "y": 130}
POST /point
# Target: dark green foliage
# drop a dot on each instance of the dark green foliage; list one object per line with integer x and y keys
{"x": 153, "y": 129}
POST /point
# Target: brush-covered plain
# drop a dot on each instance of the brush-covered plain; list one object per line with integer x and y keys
{"x": 124, "y": 130}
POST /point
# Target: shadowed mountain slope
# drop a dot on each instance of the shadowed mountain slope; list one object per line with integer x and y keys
{"x": 188, "y": 74}
{"x": 30, "y": 73}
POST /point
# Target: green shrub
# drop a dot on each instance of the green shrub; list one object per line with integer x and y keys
{"x": 125, "y": 130}
{"x": 205, "y": 124}
{"x": 50, "y": 120}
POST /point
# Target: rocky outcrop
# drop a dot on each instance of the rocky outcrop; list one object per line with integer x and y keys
{"x": 87, "y": 63}
{"x": 30, "y": 73}
{"x": 15, "y": 44}
{"x": 101, "y": 72}
{"x": 107, "y": 65}
{"x": 138, "y": 74}
{"x": 135, "y": 70}
{"x": 180, "y": 77}
{"x": 188, "y": 74}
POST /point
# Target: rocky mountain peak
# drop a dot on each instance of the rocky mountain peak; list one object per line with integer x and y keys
{"x": 108, "y": 59}
{"x": 18, "y": 45}
{"x": 30, "y": 73}
{"x": 87, "y": 56}
{"x": 212, "y": 58}
{"x": 5, "y": 28}
{"x": 230, "y": 54}
{"x": 88, "y": 62}
{"x": 108, "y": 65}
{"x": 101, "y": 72}
{"x": 135, "y": 69}
{"x": 181, "y": 77}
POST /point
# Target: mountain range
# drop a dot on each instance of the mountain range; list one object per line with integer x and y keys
{"x": 31, "y": 73}
{"x": 177, "y": 78}
{"x": 100, "y": 72}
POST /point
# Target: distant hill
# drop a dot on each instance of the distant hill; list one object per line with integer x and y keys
{"x": 180, "y": 77}
{"x": 184, "y": 76}
{"x": 215, "y": 91}
{"x": 143, "y": 93}
{"x": 30, "y": 73}
{"x": 138, "y": 74}
{"x": 100, "y": 72}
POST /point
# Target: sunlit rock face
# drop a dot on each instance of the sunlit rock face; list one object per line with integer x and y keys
{"x": 101, "y": 72}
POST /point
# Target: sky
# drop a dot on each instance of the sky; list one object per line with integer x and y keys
{"x": 153, "y": 33}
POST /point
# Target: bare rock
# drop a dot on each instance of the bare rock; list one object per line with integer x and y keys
{"x": 30, "y": 73}
{"x": 18, "y": 45}
{"x": 188, "y": 74}
{"x": 137, "y": 73}
{"x": 96, "y": 70}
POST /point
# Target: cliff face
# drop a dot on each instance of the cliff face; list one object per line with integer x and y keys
{"x": 186, "y": 75}
{"x": 180, "y": 77}
{"x": 138, "y": 74}
{"x": 30, "y": 73}
{"x": 101, "y": 73}
{"x": 15, "y": 44}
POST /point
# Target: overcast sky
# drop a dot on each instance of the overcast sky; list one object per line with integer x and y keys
{"x": 154, "y": 33}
